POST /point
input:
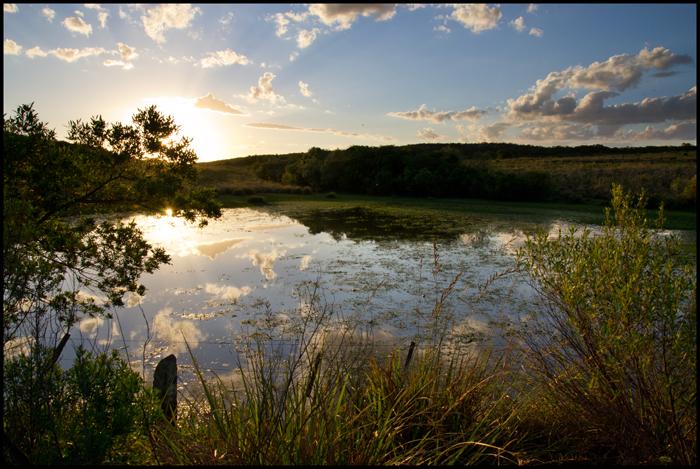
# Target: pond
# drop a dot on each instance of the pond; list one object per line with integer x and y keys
{"x": 377, "y": 272}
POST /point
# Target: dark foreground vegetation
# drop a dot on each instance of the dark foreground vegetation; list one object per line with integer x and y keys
{"x": 602, "y": 371}
{"x": 495, "y": 171}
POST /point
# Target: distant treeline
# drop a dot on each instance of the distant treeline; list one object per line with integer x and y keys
{"x": 436, "y": 170}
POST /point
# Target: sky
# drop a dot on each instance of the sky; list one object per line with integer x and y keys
{"x": 244, "y": 79}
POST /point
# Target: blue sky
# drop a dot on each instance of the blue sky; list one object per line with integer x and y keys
{"x": 278, "y": 78}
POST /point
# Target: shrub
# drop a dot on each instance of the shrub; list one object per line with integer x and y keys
{"x": 89, "y": 414}
{"x": 615, "y": 345}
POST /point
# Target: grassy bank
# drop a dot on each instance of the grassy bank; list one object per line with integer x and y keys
{"x": 298, "y": 204}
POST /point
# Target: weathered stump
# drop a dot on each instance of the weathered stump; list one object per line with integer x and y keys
{"x": 165, "y": 384}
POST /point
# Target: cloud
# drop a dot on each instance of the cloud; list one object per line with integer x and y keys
{"x": 477, "y": 17}
{"x": 71, "y": 55}
{"x": 304, "y": 89}
{"x": 306, "y": 37}
{"x": 423, "y": 114}
{"x": 531, "y": 8}
{"x": 428, "y": 134}
{"x": 264, "y": 90}
{"x": 48, "y": 13}
{"x": 273, "y": 126}
{"x": 127, "y": 53}
{"x": 223, "y": 58}
{"x": 344, "y": 14}
{"x": 102, "y": 13}
{"x": 442, "y": 29}
{"x": 676, "y": 131}
{"x": 483, "y": 133}
{"x": 169, "y": 16}
{"x": 10, "y": 7}
{"x": 617, "y": 73}
{"x": 212, "y": 103}
{"x": 10, "y": 47}
{"x": 293, "y": 56}
{"x": 227, "y": 18}
{"x": 36, "y": 52}
{"x": 537, "y": 32}
{"x": 118, "y": 63}
{"x": 519, "y": 24}
{"x": 283, "y": 19}
{"x": 77, "y": 25}
{"x": 591, "y": 109}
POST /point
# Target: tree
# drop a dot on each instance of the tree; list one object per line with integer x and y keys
{"x": 57, "y": 256}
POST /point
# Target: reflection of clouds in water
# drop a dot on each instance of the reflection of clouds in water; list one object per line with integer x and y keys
{"x": 172, "y": 331}
{"x": 304, "y": 264}
{"x": 211, "y": 250}
{"x": 266, "y": 261}
{"x": 226, "y": 292}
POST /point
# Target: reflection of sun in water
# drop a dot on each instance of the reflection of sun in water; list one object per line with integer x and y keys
{"x": 169, "y": 212}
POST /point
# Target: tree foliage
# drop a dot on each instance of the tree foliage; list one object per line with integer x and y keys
{"x": 61, "y": 249}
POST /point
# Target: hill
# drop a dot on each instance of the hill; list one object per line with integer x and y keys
{"x": 496, "y": 171}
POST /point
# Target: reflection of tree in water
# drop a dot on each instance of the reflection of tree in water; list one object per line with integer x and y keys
{"x": 364, "y": 223}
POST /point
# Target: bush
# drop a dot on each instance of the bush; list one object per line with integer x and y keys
{"x": 256, "y": 200}
{"x": 615, "y": 346}
{"x": 89, "y": 414}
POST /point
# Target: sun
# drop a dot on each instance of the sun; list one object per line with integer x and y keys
{"x": 212, "y": 135}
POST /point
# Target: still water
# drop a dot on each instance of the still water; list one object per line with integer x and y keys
{"x": 254, "y": 270}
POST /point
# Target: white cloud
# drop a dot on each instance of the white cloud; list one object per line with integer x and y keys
{"x": 169, "y": 16}
{"x": 519, "y": 24}
{"x": 442, "y": 29}
{"x": 293, "y": 56}
{"x": 127, "y": 53}
{"x": 304, "y": 89}
{"x": 676, "y": 131}
{"x": 10, "y": 47}
{"x": 77, "y": 25}
{"x": 531, "y": 8}
{"x": 342, "y": 133}
{"x": 423, "y": 114}
{"x": 306, "y": 37}
{"x": 477, "y": 17}
{"x": 223, "y": 58}
{"x": 118, "y": 63}
{"x": 428, "y": 134}
{"x": 10, "y": 7}
{"x": 226, "y": 19}
{"x": 264, "y": 90}
{"x": 617, "y": 73}
{"x": 71, "y": 55}
{"x": 48, "y": 13}
{"x": 36, "y": 52}
{"x": 344, "y": 14}
{"x": 102, "y": 13}
{"x": 212, "y": 103}
{"x": 483, "y": 133}
{"x": 537, "y": 32}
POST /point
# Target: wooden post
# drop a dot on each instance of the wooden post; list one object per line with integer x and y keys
{"x": 165, "y": 383}
{"x": 409, "y": 356}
